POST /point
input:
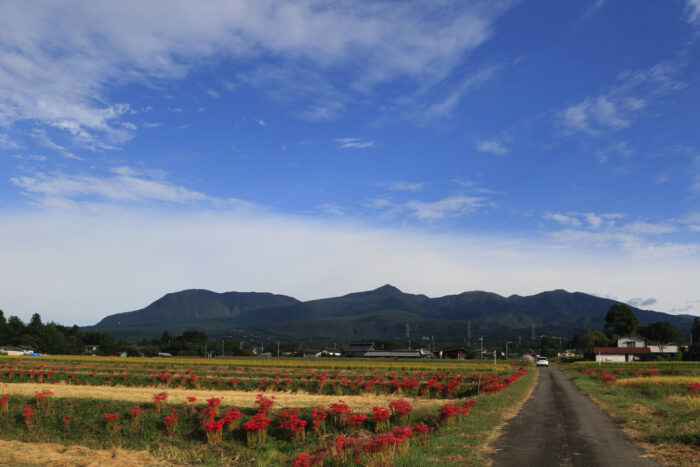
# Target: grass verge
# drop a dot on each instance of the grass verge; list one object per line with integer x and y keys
{"x": 467, "y": 442}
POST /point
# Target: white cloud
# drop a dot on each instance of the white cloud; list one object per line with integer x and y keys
{"x": 59, "y": 57}
{"x": 404, "y": 186}
{"x": 7, "y": 143}
{"x": 563, "y": 219}
{"x": 354, "y": 143}
{"x": 647, "y": 228}
{"x": 621, "y": 104}
{"x": 693, "y": 9}
{"x": 43, "y": 139}
{"x": 333, "y": 208}
{"x": 450, "y": 207}
{"x": 447, "y": 105}
{"x": 213, "y": 93}
{"x": 492, "y": 146}
{"x": 123, "y": 185}
{"x": 261, "y": 122}
{"x": 225, "y": 251}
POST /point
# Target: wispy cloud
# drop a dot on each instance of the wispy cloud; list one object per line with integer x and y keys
{"x": 642, "y": 302}
{"x": 43, "y": 139}
{"x": 693, "y": 9}
{"x": 124, "y": 184}
{"x": 333, "y": 208}
{"x": 450, "y": 207}
{"x": 403, "y": 186}
{"x": 641, "y": 238}
{"x": 618, "y": 107}
{"x": 493, "y": 147}
{"x": 444, "y": 108}
{"x": 353, "y": 143}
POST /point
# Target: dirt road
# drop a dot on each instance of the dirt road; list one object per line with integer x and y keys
{"x": 561, "y": 426}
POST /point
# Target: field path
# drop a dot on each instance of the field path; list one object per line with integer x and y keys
{"x": 561, "y": 426}
{"x": 237, "y": 398}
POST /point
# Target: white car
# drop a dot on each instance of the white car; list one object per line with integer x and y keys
{"x": 542, "y": 361}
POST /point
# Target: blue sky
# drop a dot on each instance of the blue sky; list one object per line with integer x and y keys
{"x": 316, "y": 148}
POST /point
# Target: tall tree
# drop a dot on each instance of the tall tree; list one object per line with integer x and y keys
{"x": 662, "y": 332}
{"x": 621, "y": 320}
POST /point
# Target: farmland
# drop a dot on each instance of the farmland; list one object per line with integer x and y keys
{"x": 659, "y": 403}
{"x": 254, "y": 412}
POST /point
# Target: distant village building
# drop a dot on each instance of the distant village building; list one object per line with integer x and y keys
{"x": 455, "y": 354}
{"x": 17, "y": 351}
{"x": 359, "y": 349}
{"x": 630, "y": 347}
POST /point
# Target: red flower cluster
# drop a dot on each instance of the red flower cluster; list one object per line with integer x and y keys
{"x": 171, "y": 423}
{"x": 292, "y": 422}
{"x": 259, "y": 422}
{"x": 28, "y": 414}
{"x": 111, "y": 416}
{"x": 318, "y": 419}
{"x": 3, "y": 403}
{"x": 694, "y": 387}
{"x": 354, "y": 419}
{"x": 42, "y": 398}
{"x": 401, "y": 407}
{"x": 264, "y": 403}
{"x": 450, "y": 411}
{"x": 608, "y": 378}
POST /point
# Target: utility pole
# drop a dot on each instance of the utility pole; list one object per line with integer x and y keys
{"x": 509, "y": 342}
{"x": 534, "y": 336}
{"x": 408, "y": 335}
{"x": 481, "y": 353}
{"x": 278, "y": 349}
{"x": 222, "y": 346}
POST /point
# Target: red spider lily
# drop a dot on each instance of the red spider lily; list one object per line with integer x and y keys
{"x": 449, "y": 412}
{"x": 214, "y": 404}
{"x": 609, "y": 379}
{"x": 232, "y": 418}
{"x": 694, "y": 387}
{"x": 4, "y": 405}
{"x": 354, "y": 419}
{"x": 213, "y": 429}
{"x": 263, "y": 403}
{"x": 381, "y": 415}
{"x": 318, "y": 420}
{"x": 401, "y": 407}
{"x": 304, "y": 460}
{"x": 66, "y": 421}
{"x": 189, "y": 403}
{"x": 111, "y": 420}
{"x": 159, "y": 400}
{"x": 292, "y": 422}
{"x": 28, "y": 414}
{"x": 256, "y": 429}
{"x": 42, "y": 399}
{"x": 135, "y": 413}
{"x": 170, "y": 423}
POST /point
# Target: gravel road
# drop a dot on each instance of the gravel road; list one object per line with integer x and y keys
{"x": 561, "y": 426}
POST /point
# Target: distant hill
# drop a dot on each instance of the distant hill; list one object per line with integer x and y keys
{"x": 376, "y": 314}
{"x": 195, "y": 305}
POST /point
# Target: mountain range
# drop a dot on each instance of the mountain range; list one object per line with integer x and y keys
{"x": 380, "y": 314}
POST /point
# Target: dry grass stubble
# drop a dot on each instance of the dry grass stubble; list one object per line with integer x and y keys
{"x": 237, "y": 398}
{"x": 19, "y": 453}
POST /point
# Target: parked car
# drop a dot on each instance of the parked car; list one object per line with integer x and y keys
{"x": 542, "y": 361}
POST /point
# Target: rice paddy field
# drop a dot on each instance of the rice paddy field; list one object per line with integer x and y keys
{"x": 301, "y": 412}
{"x": 658, "y": 403}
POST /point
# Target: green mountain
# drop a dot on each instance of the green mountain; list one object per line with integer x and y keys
{"x": 376, "y": 314}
